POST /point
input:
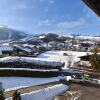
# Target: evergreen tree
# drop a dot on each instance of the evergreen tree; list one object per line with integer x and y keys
{"x": 16, "y": 95}
{"x": 95, "y": 60}
{"x": 2, "y": 97}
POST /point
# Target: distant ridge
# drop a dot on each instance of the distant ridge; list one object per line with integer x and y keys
{"x": 7, "y": 33}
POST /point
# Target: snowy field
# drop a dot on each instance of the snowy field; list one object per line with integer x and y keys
{"x": 59, "y": 56}
{"x": 11, "y": 83}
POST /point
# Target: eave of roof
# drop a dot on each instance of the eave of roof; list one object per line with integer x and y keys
{"x": 92, "y": 6}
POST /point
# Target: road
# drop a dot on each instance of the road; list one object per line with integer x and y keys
{"x": 78, "y": 91}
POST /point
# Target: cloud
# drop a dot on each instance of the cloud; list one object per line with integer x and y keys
{"x": 44, "y": 23}
{"x": 71, "y": 24}
{"x": 22, "y": 6}
{"x": 48, "y": 1}
{"x": 59, "y": 26}
{"x": 41, "y": 0}
{"x": 51, "y": 1}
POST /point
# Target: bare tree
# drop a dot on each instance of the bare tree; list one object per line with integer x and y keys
{"x": 69, "y": 60}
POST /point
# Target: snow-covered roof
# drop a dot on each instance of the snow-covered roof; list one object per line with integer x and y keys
{"x": 6, "y": 48}
{"x": 27, "y": 49}
{"x": 41, "y": 37}
{"x": 89, "y": 42}
{"x": 16, "y": 83}
{"x": 38, "y": 61}
{"x": 28, "y": 69}
{"x": 44, "y": 94}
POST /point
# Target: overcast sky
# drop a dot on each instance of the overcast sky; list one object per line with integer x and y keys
{"x": 43, "y": 16}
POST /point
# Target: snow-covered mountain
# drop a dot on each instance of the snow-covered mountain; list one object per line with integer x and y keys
{"x": 11, "y": 35}
{"x": 60, "y": 37}
{"x": 7, "y": 33}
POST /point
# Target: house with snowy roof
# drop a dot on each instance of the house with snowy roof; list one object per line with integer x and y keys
{"x": 20, "y": 50}
{"x": 84, "y": 61}
{"x": 6, "y": 50}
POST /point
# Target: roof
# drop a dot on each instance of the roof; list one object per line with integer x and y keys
{"x": 94, "y": 5}
{"x": 26, "y": 49}
{"x": 37, "y": 61}
{"x": 86, "y": 57}
{"x": 6, "y": 48}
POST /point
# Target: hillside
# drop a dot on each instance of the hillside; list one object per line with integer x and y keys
{"x": 7, "y": 33}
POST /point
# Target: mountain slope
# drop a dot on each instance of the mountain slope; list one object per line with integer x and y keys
{"x": 10, "y": 34}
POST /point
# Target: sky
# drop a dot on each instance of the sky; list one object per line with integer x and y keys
{"x": 44, "y": 16}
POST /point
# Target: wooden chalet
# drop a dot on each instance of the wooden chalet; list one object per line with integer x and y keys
{"x": 84, "y": 61}
{"x": 6, "y": 51}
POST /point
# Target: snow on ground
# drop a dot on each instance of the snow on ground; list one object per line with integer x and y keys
{"x": 59, "y": 56}
{"x": 44, "y": 94}
{"x": 12, "y": 83}
{"x": 89, "y": 38}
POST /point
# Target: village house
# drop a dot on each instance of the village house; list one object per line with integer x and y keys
{"x": 23, "y": 51}
{"x": 84, "y": 61}
{"x": 6, "y": 50}
{"x": 87, "y": 45}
